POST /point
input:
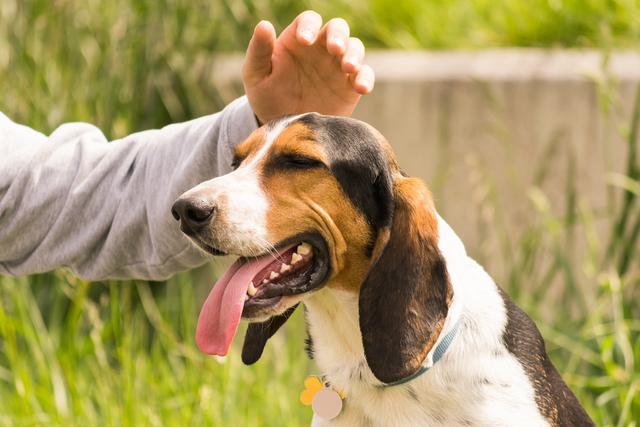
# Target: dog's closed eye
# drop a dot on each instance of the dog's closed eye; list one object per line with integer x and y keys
{"x": 296, "y": 161}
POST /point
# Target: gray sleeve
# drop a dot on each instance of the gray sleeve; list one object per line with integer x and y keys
{"x": 102, "y": 208}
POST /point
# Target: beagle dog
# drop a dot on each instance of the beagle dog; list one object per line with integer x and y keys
{"x": 410, "y": 329}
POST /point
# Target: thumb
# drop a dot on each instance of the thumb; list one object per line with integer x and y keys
{"x": 257, "y": 62}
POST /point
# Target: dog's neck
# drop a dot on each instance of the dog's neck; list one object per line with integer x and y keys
{"x": 332, "y": 316}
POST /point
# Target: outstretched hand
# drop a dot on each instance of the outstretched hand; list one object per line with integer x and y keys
{"x": 309, "y": 67}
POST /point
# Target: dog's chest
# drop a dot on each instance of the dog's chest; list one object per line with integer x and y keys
{"x": 489, "y": 388}
{"x": 400, "y": 407}
{"x": 433, "y": 402}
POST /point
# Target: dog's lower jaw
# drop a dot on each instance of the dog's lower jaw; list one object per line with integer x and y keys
{"x": 285, "y": 303}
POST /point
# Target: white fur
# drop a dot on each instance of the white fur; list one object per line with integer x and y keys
{"x": 477, "y": 382}
{"x": 241, "y": 225}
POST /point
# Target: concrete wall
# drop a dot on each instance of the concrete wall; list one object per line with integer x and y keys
{"x": 487, "y": 129}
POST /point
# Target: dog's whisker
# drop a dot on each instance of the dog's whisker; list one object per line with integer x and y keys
{"x": 271, "y": 250}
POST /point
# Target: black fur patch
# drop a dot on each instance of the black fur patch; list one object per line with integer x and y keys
{"x": 308, "y": 346}
{"x": 555, "y": 400}
{"x": 358, "y": 164}
{"x": 259, "y": 333}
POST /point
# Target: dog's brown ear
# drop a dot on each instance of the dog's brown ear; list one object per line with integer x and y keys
{"x": 405, "y": 298}
{"x": 259, "y": 333}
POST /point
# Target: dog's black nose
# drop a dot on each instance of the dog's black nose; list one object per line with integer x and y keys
{"x": 193, "y": 212}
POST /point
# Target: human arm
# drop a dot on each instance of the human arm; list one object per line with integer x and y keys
{"x": 103, "y": 208}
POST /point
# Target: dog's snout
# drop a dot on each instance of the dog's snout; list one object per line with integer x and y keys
{"x": 193, "y": 212}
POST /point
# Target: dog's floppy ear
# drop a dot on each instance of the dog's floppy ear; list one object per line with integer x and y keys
{"x": 259, "y": 333}
{"x": 405, "y": 298}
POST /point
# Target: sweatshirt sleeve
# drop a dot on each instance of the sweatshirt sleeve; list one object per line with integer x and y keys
{"x": 101, "y": 208}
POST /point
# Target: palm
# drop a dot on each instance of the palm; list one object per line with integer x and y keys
{"x": 301, "y": 78}
{"x": 314, "y": 84}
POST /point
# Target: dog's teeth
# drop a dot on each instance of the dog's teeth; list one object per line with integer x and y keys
{"x": 274, "y": 275}
{"x": 284, "y": 268}
{"x": 265, "y": 281}
{"x": 295, "y": 258}
{"x": 252, "y": 289}
{"x": 303, "y": 248}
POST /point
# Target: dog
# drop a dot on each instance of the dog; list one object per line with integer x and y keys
{"x": 410, "y": 329}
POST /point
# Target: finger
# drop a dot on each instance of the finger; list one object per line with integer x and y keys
{"x": 257, "y": 63}
{"x": 308, "y": 25}
{"x": 353, "y": 57}
{"x": 337, "y": 34}
{"x": 364, "y": 81}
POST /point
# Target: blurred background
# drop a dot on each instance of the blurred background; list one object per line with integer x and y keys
{"x": 521, "y": 115}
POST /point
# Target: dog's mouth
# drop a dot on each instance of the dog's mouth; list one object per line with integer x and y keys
{"x": 253, "y": 288}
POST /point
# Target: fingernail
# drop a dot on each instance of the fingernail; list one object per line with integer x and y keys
{"x": 365, "y": 83}
{"x": 307, "y": 35}
{"x": 351, "y": 60}
{"x": 338, "y": 42}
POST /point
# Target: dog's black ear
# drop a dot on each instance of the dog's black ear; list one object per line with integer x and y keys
{"x": 259, "y": 333}
{"x": 405, "y": 298}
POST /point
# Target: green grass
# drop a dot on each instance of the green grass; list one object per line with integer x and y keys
{"x": 122, "y": 353}
{"x": 486, "y": 23}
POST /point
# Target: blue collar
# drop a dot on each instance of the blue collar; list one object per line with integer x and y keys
{"x": 440, "y": 350}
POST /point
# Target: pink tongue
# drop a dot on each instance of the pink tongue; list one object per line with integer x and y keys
{"x": 220, "y": 314}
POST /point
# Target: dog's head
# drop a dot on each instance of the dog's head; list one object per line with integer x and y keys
{"x": 318, "y": 201}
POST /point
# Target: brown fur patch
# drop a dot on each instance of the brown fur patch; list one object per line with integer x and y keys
{"x": 312, "y": 200}
{"x": 298, "y": 139}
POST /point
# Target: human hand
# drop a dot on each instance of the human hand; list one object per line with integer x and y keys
{"x": 310, "y": 67}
